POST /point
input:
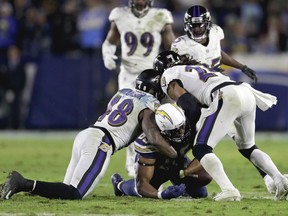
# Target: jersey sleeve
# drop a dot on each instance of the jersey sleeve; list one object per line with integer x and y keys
{"x": 149, "y": 101}
{"x": 218, "y": 32}
{"x": 166, "y": 78}
{"x": 115, "y": 14}
{"x": 179, "y": 46}
{"x": 168, "y": 18}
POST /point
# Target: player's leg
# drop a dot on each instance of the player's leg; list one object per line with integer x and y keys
{"x": 17, "y": 183}
{"x": 96, "y": 151}
{"x": 246, "y": 142}
{"x": 212, "y": 129}
{"x": 95, "y": 157}
{"x": 122, "y": 187}
{"x": 75, "y": 157}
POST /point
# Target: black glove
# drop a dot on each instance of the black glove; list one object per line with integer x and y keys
{"x": 250, "y": 73}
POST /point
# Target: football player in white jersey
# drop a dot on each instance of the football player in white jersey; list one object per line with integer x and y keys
{"x": 141, "y": 30}
{"x": 154, "y": 169}
{"x": 129, "y": 112}
{"x": 227, "y": 102}
{"x": 203, "y": 42}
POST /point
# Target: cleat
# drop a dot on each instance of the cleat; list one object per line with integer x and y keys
{"x": 282, "y": 189}
{"x": 12, "y": 185}
{"x": 116, "y": 179}
{"x": 270, "y": 185}
{"x": 228, "y": 195}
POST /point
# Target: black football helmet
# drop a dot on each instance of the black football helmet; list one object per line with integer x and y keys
{"x": 197, "y": 23}
{"x": 138, "y": 9}
{"x": 149, "y": 81}
{"x": 165, "y": 60}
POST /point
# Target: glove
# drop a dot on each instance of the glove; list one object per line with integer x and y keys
{"x": 172, "y": 192}
{"x": 250, "y": 73}
{"x": 109, "y": 61}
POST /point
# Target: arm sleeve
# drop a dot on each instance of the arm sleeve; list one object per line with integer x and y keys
{"x": 191, "y": 107}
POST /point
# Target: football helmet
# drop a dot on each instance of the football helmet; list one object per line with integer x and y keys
{"x": 149, "y": 81}
{"x": 140, "y": 8}
{"x": 171, "y": 119}
{"x": 197, "y": 23}
{"x": 165, "y": 60}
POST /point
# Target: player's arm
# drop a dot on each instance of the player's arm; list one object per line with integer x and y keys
{"x": 109, "y": 47}
{"x": 191, "y": 169}
{"x": 228, "y": 60}
{"x": 175, "y": 91}
{"x": 146, "y": 171}
{"x": 153, "y": 134}
{"x": 144, "y": 175}
{"x": 168, "y": 36}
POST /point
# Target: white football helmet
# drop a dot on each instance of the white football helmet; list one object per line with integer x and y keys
{"x": 171, "y": 119}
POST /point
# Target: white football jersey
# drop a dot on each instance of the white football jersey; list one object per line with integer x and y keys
{"x": 140, "y": 37}
{"x": 121, "y": 117}
{"x": 197, "y": 80}
{"x": 209, "y": 55}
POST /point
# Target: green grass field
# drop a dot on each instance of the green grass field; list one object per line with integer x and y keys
{"x": 44, "y": 156}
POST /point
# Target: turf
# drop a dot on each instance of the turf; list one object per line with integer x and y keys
{"x": 45, "y": 157}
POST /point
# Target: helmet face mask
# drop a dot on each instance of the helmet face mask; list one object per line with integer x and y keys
{"x": 139, "y": 9}
{"x": 197, "y": 23}
{"x": 171, "y": 121}
{"x": 165, "y": 60}
{"x": 149, "y": 81}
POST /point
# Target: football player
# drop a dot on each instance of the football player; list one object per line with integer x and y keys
{"x": 154, "y": 169}
{"x": 140, "y": 29}
{"x": 202, "y": 41}
{"x": 129, "y": 112}
{"x": 227, "y": 102}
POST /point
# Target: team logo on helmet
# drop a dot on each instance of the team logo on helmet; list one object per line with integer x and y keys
{"x": 164, "y": 115}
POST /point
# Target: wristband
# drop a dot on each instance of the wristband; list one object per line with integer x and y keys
{"x": 244, "y": 67}
{"x": 159, "y": 195}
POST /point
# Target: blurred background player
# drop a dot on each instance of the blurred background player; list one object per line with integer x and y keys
{"x": 128, "y": 113}
{"x": 141, "y": 30}
{"x": 154, "y": 168}
{"x": 202, "y": 41}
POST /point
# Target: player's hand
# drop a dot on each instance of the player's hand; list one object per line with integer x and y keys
{"x": 250, "y": 73}
{"x": 173, "y": 191}
{"x": 110, "y": 61}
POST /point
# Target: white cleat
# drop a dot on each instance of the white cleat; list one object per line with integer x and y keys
{"x": 228, "y": 195}
{"x": 282, "y": 189}
{"x": 270, "y": 185}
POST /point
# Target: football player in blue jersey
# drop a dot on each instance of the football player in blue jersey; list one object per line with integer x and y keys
{"x": 154, "y": 169}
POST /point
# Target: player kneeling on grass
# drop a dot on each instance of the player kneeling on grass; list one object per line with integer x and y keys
{"x": 129, "y": 113}
{"x": 188, "y": 177}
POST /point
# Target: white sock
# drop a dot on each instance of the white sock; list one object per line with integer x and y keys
{"x": 264, "y": 162}
{"x": 214, "y": 167}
